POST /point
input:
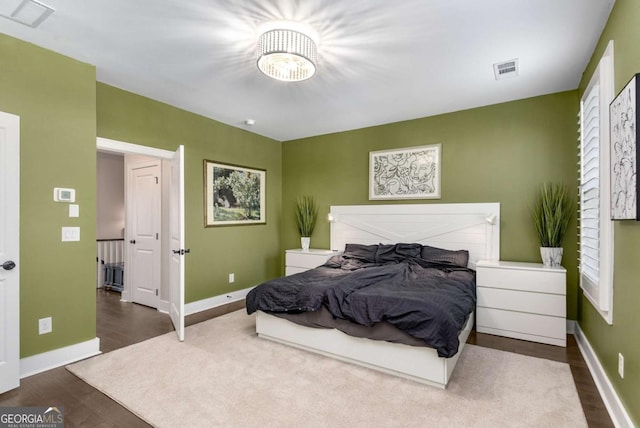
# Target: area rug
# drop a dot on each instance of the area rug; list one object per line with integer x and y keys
{"x": 223, "y": 375}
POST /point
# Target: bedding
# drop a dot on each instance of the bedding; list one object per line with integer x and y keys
{"x": 428, "y": 299}
{"x": 322, "y": 318}
{"x": 458, "y": 257}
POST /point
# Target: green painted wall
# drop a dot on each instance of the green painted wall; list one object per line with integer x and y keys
{"x": 251, "y": 252}
{"x": 55, "y": 99}
{"x": 622, "y": 336}
{"x": 496, "y": 153}
{"x": 499, "y": 153}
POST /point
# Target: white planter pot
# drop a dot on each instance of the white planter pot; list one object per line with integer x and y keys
{"x": 551, "y": 256}
{"x": 305, "y": 241}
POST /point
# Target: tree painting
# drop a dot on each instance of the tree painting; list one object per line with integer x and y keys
{"x": 235, "y": 195}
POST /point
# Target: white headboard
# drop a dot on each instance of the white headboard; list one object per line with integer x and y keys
{"x": 472, "y": 227}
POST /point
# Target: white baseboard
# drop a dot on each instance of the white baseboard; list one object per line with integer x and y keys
{"x": 163, "y": 306}
{"x": 214, "y": 302}
{"x": 617, "y": 412}
{"x": 571, "y": 326}
{"x": 58, "y": 357}
{"x": 124, "y": 295}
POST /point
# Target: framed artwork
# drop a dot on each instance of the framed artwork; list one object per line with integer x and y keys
{"x": 233, "y": 195}
{"x": 407, "y": 173}
{"x": 623, "y": 116}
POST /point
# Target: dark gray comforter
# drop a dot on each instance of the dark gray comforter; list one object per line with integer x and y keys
{"x": 430, "y": 301}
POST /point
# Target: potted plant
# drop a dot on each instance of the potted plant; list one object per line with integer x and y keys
{"x": 306, "y": 215}
{"x": 551, "y": 214}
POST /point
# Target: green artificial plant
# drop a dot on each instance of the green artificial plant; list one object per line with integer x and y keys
{"x": 306, "y": 214}
{"x": 552, "y": 212}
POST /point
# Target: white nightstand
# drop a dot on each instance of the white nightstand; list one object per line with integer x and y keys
{"x": 298, "y": 261}
{"x": 522, "y": 300}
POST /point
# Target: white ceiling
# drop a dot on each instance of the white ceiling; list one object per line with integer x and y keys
{"x": 379, "y": 61}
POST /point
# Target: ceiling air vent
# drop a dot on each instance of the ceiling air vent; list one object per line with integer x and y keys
{"x": 31, "y": 13}
{"x": 506, "y": 69}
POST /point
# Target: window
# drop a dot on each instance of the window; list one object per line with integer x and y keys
{"x": 596, "y": 231}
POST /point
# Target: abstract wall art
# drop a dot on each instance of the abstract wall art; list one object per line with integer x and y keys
{"x": 407, "y": 173}
{"x": 623, "y": 115}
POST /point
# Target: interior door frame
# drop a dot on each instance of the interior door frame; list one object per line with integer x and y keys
{"x": 121, "y": 147}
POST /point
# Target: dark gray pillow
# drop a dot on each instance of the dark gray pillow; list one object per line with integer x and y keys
{"x": 386, "y": 253}
{"x": 433, "y": 254}
{"x": 365, "y": 253}
{"x": 397, "y": 252}
{"x": 409, "y": 250}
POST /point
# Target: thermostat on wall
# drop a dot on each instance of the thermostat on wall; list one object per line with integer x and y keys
{"x": 64, "y": 195}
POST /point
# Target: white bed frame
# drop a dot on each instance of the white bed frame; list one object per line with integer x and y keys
{"x": 473, "y": 227}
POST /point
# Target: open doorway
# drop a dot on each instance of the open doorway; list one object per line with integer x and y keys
{"x": 131, "y": 218}
{"x": 110, "y": 221}
{"x": 141, "y": 209}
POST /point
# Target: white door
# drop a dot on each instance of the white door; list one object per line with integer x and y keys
{"x": 9, "y": 252}
{"x": 143, "y": 227}
{"x": 178, "y": 251}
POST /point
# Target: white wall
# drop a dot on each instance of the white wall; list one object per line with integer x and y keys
{"x": 110, "y": 204}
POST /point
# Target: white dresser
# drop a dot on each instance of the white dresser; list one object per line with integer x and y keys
{"x": 522, "y": 300}
{"x": 298, "y": 261}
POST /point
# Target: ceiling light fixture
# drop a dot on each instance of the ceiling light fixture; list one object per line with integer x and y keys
{"x": 287, "y": 52}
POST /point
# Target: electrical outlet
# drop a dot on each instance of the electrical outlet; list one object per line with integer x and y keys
{"x": 232, "y": 278}
{"x": 621, "y": 365}
{"x": 45, "y": 325}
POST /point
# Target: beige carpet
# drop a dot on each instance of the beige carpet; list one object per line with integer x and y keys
{"x": 225, "y": 376}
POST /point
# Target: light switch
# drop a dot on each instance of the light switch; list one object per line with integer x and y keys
{"x": 74, "y": 210}
{"x": 70, "y": 234}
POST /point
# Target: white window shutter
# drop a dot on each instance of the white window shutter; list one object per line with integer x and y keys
{"x": 595, "y": 227}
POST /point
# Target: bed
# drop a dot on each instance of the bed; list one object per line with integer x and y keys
{"x": 470, "y": 227}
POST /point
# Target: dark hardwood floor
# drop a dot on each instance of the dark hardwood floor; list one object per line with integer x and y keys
{"x": 122, "y": 324}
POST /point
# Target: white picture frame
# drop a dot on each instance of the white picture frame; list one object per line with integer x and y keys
{"x": 405, "y": 173}
{"x": 234, "y": 195}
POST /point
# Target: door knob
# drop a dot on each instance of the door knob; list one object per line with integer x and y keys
{"x": 133, "y": 241}
{"x": 8, "y": 265}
